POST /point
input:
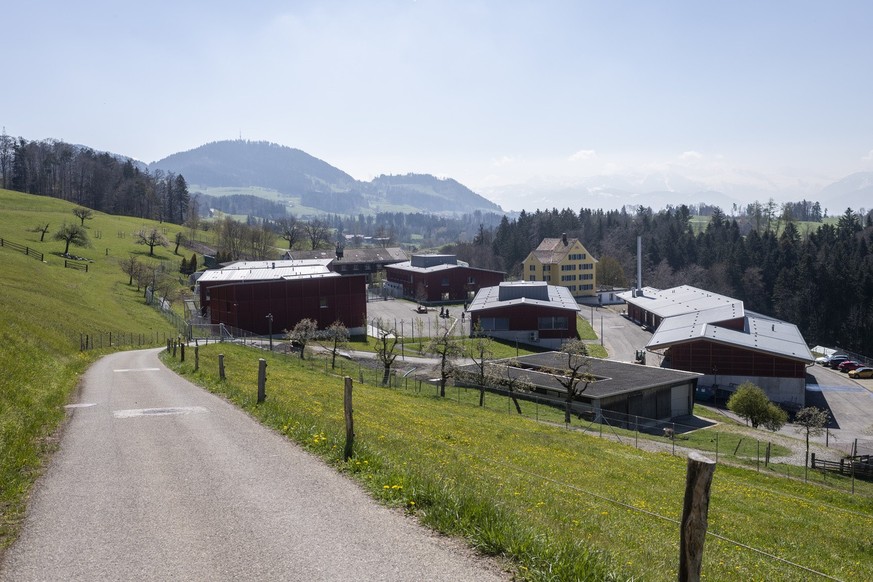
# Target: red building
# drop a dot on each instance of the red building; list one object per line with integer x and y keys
{"x": 242, "y": 295}
{"x": 438, "y": 279}
{"x": 527, "y": 312}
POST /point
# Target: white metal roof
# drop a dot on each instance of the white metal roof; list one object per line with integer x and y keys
{"x": 489, "y": 297}
{"x": 681, "y": 300}
{"x": 269, "y": 270}
{"x": 760, "y": 333}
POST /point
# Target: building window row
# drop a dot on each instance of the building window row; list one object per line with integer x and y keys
{"x": 556, "y": 322}
{"x": 586, "y": 276}
{"x": 568, "y": 277}
{"x": 571, "y": 267}
{"x": 577, "y": 256}
{"x": 494, "y": 323}
{"x": 586, "y": 266}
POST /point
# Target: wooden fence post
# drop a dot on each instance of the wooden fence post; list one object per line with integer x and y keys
{"x": 221, "y": 366}
{"x": 350, "y": 425}
{"x": 196, "y": 358}
{"x": 262, "y": 380}
{"x": 694, "y": 516}
{"x": 182, "y": 353}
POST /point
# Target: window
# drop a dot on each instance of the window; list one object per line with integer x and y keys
{"x": 587, "y": 287}
{"x": 547, "y": 267}
{"x": 547, "y": 278}
{"x": 445, "y": 282}
{"x": 586, "y": 276}
{"x": 587, "y": 266}
{"x": 494, "y": 323}
{"x": 322, "y": 302}
{"x": 532, "y": 278}
{"x": 532, "y": 267}
{"x": 554, "y": 322}
{"x": 444, "y": 296}
{"x": 471, "y": 280}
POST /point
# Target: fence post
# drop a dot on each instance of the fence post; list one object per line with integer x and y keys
{"x": 221, "y": 366}
{"x": 262, "y": 380}
{"x": 196, "y": 358}
{"x": 695, "y": 511}
{"x": 182, "y": 348}
{"x": 350, "y": 424}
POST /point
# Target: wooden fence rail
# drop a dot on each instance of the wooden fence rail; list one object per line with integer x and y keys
{"x": 6, "y": 243}
{"x": 68, "y": 264}
{"x": 861, "y": 466}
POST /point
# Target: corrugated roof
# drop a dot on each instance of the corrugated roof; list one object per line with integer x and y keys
{"x": 682, "y": 300}
{"x": 555, "y": 297}
{"x": 269, "y": 270}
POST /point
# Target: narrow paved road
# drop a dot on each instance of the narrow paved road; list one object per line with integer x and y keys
{"x": 157, "y": 479}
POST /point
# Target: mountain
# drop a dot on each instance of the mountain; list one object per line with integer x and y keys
{"x": 855, "y": 191}
{"x": 315, "y": 183}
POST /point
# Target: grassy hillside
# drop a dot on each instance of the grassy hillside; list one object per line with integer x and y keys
{"x": 44, "y": 310}
{"x": 560, "y": 504}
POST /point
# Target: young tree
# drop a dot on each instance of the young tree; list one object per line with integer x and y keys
{"x": 507, "y": 375}
{"x": 83, "y": 214}
{"x": 576, "y": 374}
{"x": 130, "y": 267}
{"x": 178, "y": 239}
{"x": 152, "y": 239}
{"x": 42, "y": 230}
{"x": 338, "y": 336}
{"x": 192, "y": 264}
{"x": 750, "y": 402}
{"x": 811, "y": 421}
{"x": 289, "y": 229}
{"x": 302, "y": 333}
{"x": 386, "y": 348}
{"x": 480, "y": 351}
{"x": 72, "y": 234}
{"x": 447, "y": 349}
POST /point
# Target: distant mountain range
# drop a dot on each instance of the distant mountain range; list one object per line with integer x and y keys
{"x": 315, "y": 184}
{"x": 309, "y": 184}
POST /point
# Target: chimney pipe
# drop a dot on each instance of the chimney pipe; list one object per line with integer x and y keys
{"x": 639, "y": 264}
{"x": 564, "y": 238}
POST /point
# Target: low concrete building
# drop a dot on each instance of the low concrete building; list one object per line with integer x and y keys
{"x": 533, "y": 313}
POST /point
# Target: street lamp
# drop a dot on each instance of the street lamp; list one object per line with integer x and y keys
{"x": 270, "y": 329}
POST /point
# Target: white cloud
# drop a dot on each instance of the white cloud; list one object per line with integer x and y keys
{"x": 583, "y": 155}
{"x": 503, "y": 161}
{"x": 868, "y": 157}
{"x": 690, "y": 155}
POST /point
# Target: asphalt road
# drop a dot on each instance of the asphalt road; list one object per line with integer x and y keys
{"x": 157, "y": 479}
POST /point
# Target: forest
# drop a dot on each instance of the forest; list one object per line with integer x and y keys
{"x": 96, "y": 180}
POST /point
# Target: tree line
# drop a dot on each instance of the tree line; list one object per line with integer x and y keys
{"x": 96, "y": 180}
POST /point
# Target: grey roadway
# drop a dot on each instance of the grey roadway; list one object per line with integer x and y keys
{"x": 156, "y": 479}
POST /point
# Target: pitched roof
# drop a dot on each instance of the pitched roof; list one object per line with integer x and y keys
{"x": 684, "y": 299}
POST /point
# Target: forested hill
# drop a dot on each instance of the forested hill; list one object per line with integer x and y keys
{"x": 317, "y": 184}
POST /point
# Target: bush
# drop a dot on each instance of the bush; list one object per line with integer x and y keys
{"x": 750, "y": 402}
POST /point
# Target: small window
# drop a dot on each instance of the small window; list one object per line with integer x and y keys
{"x": 322, "y": 302}
{"x": 532, "y": 267}
{"x": 445, "y": 281}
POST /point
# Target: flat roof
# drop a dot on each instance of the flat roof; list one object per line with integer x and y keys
{"x": 514, "y": 293}
{"x": 614, "y": 378}
{"x": 269, "y": 270}
{"x": 681, "y": 300}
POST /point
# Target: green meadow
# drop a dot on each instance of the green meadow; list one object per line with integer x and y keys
{"x": 557, "y": 504}
{"x": 45, "y": 311}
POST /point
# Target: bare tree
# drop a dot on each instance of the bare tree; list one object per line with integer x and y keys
{"x": 42, "y": 230}
{"x": 480, "y": 351}
{"x": 130, "y": 266}
{"x": 179, "y": 238}
{"x": 576, "y": 374}
{"x": 72, "y": 234}
{"x": 83, "y": 214}
{"x": 289, "y": 229}
{"x": 261, "y": 241}
{"x": 447, "y": 349}
{"x": 317, "y": 231}
{"x": 303, "y": 332}
{"x": 507, "y": 375}
{"x": 386, "y": 348}
{"x": 152, "y": 239}
{"x": 812, "y": 421}
{"x": 338, "y": 336}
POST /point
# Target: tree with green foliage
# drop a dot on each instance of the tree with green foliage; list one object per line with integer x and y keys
{"x": 447, "y": 349}
{"x": 751, "y": 403}
{"x": 72, "y": 234}
{"x": 811, "y": 421}
{"x": 304, "y": 331}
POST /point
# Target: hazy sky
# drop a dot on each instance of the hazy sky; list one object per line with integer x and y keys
{"x": 487, "y": 92}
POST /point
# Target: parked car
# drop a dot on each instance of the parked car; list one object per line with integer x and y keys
{"x": 835, "y": 361}
{"x": 848, "y": 365}
{"x": 823, "y": 360}
{"x": 859, "y": 373}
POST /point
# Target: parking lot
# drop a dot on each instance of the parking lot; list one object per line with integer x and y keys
{"x": 403, "y": 316}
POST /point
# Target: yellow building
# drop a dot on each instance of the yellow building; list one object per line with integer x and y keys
{"x": 564, "y": 262}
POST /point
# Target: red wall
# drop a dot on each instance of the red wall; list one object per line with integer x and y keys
{"x": 524, "y": 318}
{"x": 457, "y": 282}
{"x": 246, "y": 305}
{"x": 701, "y": 356}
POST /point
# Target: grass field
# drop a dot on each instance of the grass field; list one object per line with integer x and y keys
{"x": 560, "y": 504}
{"x": 44, "y": 311}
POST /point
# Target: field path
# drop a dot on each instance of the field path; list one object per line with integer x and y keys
{"x": 156, "y": 479}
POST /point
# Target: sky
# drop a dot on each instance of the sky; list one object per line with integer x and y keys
{"x": 491, "y": 93}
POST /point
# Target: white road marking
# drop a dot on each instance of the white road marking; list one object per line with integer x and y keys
{"x": 157, "y": 411}
{"x": 81, "y": 405}
{"x": 137, "y": 370}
